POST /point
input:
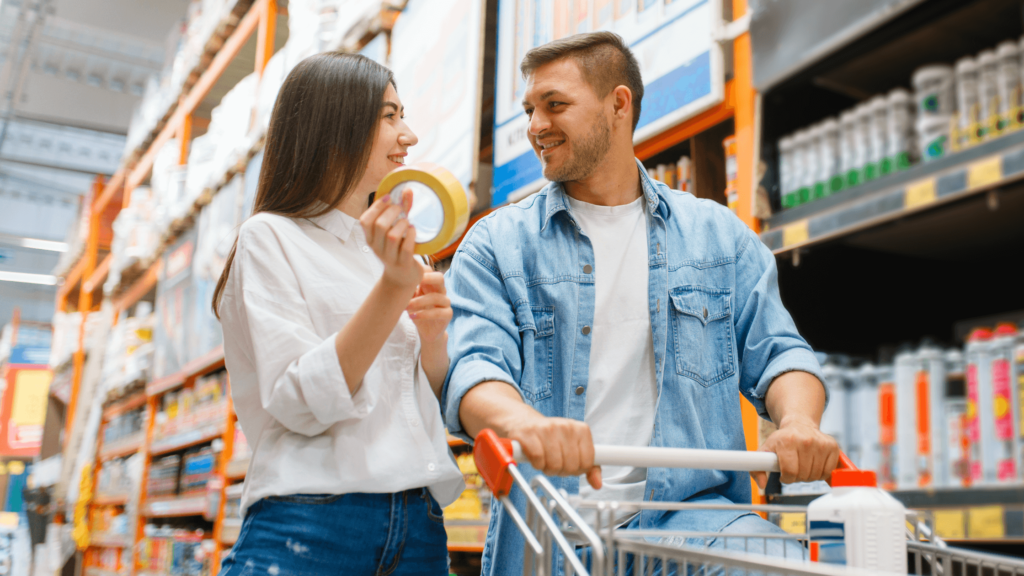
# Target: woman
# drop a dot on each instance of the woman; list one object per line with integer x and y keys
{"x": 334, "y": 336}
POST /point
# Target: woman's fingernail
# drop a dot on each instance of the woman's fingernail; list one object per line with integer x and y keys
{"x": 412, "y": 314}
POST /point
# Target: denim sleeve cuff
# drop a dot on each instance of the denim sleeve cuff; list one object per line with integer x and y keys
{"x": 792, "y": 360}
{"x": 466, "y": 375}
{"x": 328, "y": 403}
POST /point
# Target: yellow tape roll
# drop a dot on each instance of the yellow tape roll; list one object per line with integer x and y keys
{"x": 440, "y": 209}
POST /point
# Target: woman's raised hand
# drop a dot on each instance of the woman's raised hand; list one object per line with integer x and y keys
{"x": 430, "y": 309}
{"x": 393, "y": 238}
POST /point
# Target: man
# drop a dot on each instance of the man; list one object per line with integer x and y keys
{"x": 609, "y": 309}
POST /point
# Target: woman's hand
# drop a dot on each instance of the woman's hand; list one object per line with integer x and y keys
{"x": 430, "y": 309}
{"x": 393, "y": 240}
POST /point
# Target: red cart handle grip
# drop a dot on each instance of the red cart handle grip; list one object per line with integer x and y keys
{"x": 493, "y": 456}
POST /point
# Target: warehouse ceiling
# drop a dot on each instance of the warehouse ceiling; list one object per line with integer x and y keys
{"x": 71, "y": 75}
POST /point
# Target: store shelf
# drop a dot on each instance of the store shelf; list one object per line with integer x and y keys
{"x": 109, "y": 540}
{"x": 229, "y": 531}
{"x": 123, "y": 447}
{"x": 466, "y": 535}
{"x": 205, "y": 364}
{"x": 127, "y": 404}
{"x": 237, "y": 468}
{"x": 187, "y": 438}
{"x": 110, "y": 500}
{"x": 922, "y": 187}
{"x": 977, "y": 514}
{"x": 94, "y": 571}
{"x": 169, "y": 507}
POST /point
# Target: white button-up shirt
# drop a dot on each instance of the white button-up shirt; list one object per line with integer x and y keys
{"x": 293, "y": 285}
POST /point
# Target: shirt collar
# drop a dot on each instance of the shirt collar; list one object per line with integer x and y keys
{"x": 557, "y": 198}
{"x": 336, "y": 222}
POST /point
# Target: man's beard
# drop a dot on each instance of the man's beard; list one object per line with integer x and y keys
{"x": 588, "y": 151}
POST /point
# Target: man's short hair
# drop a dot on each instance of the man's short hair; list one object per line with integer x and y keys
{"x": 604, "y": 60}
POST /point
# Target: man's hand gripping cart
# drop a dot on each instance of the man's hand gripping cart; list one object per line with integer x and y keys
{"x": 555, "y": 531}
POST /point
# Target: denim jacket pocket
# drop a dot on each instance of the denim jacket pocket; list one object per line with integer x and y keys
{"x": 537, "y": 331}
{"x": 702, "y": 329}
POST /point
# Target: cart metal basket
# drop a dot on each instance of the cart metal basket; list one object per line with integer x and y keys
{"x": 556, "y": 533}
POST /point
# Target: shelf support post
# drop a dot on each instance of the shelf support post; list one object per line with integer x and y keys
{"x": 265, "y": 35}
{"x": 745, "y": 120}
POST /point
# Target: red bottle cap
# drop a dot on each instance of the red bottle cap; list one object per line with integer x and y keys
{"x": 1005, "y": 329}
{"x": 844, "y": 478}
{"x": 979, "y": 334}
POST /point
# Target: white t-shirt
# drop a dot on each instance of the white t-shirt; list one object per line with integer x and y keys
{"x": 622, "y": 391}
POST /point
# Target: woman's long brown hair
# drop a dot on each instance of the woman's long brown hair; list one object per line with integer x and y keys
{"x": 321, "y": 132}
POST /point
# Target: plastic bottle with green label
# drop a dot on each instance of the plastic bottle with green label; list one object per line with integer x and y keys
{"x": 900, "y": 152}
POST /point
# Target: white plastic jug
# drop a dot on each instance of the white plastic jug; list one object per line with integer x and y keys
{"x": 858, "y": 524}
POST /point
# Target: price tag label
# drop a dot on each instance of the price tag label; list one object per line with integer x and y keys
{"x": 985, "y": 522}
{"x": 795, "y": 233}
{"x": 950, "y": 524}
{"x": 986, "y": 172}
{"x": 919, "y": 193}
{"x": 793, "y": 522}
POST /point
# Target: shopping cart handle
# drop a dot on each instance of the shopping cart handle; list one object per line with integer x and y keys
{"x": 493, "y": 455}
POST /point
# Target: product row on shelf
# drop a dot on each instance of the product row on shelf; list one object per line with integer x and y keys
{"x": 175, "y": 552}
{"x": 934, "y": 418}
{"x": 678, "y": 176}
{"x": 952, "y": 108}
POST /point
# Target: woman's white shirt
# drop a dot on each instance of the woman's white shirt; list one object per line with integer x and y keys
{"x": 293, "y": 285}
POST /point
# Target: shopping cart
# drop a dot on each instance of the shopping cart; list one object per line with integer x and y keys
{"x": 556, "y": 533}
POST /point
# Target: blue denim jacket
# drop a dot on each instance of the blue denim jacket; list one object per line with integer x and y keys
{"x": 521, "y": 301}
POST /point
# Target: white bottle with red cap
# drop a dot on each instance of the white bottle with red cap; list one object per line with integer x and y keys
{"x": 858, "y": 524}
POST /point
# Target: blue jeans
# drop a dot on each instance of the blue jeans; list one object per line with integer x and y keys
{"x": 400, "y": 534}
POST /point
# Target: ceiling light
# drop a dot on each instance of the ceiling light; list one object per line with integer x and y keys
{"x": 26, "y": 278}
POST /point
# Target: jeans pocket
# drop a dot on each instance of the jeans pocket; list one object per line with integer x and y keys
{"x": 434, "y": 510}
{"x": 537, "y": 331}
{"x": 702, "y": 329}
{"x": 311, "y": 499}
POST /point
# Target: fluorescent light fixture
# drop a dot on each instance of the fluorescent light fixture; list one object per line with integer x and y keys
{"x": 26, "y": 278}
{"x": 44, "y": 245}
{"x": 33, "y": 243}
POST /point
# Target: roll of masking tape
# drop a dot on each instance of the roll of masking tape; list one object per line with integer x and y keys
{"x": 440, "y": 207}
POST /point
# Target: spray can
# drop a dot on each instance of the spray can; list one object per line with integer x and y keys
{"x": 958, "y": 447}
{"x": 833, "y": 420}
{"x": 848, "y": 149}
{"x": 930, "y": 391}
{"x": 968, "y": 105}
{"x": 1018, "y": 379}
{"x": 683, "y": 174}
{"x": 863, "y": 444}
{"x": 988, "y": 92}
{"x": 787, "y": 191}
{"x": 858, "y": 525}
{"x": 900, "y": 151}
{"x": 980, "y": 417}
{"x": 1008, "y": 66}
{"x": 866, "y": 153}
{"x": 732, "y": 195}
{"x": 1004, "y": 401}
{"x": 888, "y": 463}
{"x": 906, "y": 367}
{"x": 829, "y": 173}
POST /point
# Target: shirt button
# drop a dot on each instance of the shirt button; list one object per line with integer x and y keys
{"x": 587, "y": 269}
{"x": 586, "y": 330}
{"x": 430, "y": 467}
{"x": 579, "y": 390}
{"x": 366, "y": 248}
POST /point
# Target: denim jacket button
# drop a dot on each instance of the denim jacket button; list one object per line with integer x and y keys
{"x": 579, "y": 390}
{"x": 705, "y": 313}
{"x": 587, "y": 269}
{"x": 586, "y": 330}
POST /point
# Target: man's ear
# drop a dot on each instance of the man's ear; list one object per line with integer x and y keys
{"x": 622, "y": 103}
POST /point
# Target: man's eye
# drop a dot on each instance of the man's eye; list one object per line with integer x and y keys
{"x": 529, "y": 112}
{"x": 554, "y": 104}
